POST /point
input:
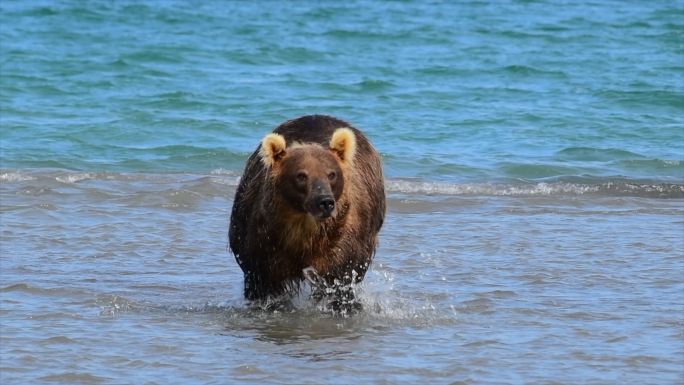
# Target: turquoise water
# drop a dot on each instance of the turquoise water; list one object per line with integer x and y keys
{"x": 466, "y": 91}
{"x": 535, "y": 182}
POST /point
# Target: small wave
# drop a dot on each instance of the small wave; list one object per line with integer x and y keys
{"x": 595, "y": 154}
{"x": 610, "y": 188}
{"x": 651, "y": 164}
{"x": 74, "y": 378}
{"x": 75, "y": 177}
{"x": 530, "y": 71}
{"x": 374, "y": 85}
{"x": 111, "y": 305}
{"x": 666, "y": 98}
{"x": 15, "y": 176}
{"x": 214, "y": 182}
{"x": 42, "y": 291}
{"x": 59, "y": 175}
{"x": 222, "y": 171}
{"x": 58, "y": 340}
{"x": 432, "y": 188}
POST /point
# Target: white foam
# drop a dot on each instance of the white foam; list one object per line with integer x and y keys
{"x": 223, "y": 171}
{"x": 13, "y": 177}
{"x": 231, "y": 181}
{"x": 438, "y": 188}
{"x": 74, "y": 178}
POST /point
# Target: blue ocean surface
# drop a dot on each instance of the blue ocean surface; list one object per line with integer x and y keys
{"x": 534, "y": 161}
{"x": 446, "y": 91}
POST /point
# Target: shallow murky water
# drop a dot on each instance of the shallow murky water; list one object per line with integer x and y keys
{"x": 125, "y": 278}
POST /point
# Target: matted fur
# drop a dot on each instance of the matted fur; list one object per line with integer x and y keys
{"x": 274, "y": 242}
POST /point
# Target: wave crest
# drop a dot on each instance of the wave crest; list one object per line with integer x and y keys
{"x": 607, "y": 188}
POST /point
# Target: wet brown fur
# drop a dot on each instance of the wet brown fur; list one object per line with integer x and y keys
{"x": 273, "y": 241}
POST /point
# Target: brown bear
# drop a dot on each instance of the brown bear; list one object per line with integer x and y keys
{"x": 309, "y": 205}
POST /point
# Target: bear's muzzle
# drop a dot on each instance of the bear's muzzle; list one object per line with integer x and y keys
{"x": 326, "y": 205}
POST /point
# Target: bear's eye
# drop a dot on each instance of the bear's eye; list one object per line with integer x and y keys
{"x": 332, "y": 175}
{"x": 302, "y": 177}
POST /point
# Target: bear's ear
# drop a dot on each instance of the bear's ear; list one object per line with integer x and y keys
{"x": 343, "y": 143}
{"x": 272, "y": 149}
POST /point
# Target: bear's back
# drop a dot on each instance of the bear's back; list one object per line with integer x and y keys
{"x": 314, "y": 129}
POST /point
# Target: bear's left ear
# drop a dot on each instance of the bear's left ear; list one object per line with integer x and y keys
{"x": 343, "y": 143}
{"x": 272, "y": 149}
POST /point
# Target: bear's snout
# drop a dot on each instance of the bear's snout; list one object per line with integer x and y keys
{"x": 326, "y": 205}
{"x": 321, "y": 206}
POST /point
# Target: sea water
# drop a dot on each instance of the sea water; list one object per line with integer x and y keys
{"x": 533, "y": 158}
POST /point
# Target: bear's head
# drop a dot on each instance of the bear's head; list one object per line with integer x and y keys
{"x": 309, "y": 177}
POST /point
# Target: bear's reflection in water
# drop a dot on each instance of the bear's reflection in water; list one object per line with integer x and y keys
{"x": 299, "y": 325}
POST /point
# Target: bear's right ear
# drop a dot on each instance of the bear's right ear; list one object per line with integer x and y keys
{"x": 272, "y": 149}
{"x": 343, "y": 143}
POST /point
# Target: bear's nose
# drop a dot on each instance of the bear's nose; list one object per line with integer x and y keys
{"x": 326, "y": 204}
